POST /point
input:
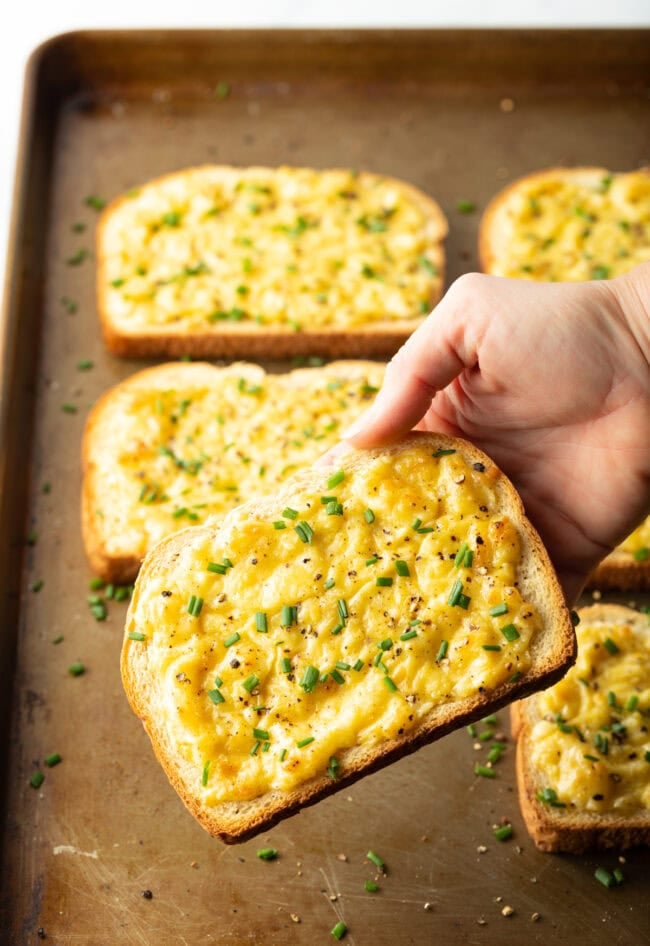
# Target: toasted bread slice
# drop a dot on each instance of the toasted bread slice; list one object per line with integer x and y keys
{"x": 583, "y": 746}
{"x": 267, "y": 262}
{"x": 317, "y": 634}
{"x": 568, "y": 225}
{"x": 175, "y": 444}
{"x": 628, "y": 566}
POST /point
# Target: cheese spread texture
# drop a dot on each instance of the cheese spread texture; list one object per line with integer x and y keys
{"x": 638, "y": 543}
{"x": 295, "y": 248}
{"x": 573, "y": 225}
{"x": 339, "y": 621}
{"x": 164, "y": 458}
{"x": 592, "y": 745}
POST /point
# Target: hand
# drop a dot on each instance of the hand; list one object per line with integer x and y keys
{"x": 552, "y": 381}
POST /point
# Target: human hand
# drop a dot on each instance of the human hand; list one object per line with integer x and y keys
{"x": 552, "y": 381}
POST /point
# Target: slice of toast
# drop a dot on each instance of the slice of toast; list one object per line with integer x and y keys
{"x": 567, "y": 225}
{"x": 265, "y": 262}
{"x": 177, "y": 443}
{"x": 583, "y": 748}
{"x": 319, "y": 633}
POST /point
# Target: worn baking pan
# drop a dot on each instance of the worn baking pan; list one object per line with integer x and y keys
{"x": 102, "y": 851}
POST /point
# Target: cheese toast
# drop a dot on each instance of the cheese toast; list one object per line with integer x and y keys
{"x": 583, "y": 747}
{"x": 219, "y": 261}
{"x": 177, "y": 443}
{"x": 319, "y": 633}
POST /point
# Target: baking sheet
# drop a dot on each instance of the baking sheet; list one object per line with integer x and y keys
{"x": 456, "y": 113}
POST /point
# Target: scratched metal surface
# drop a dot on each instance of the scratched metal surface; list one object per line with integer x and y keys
{"x": 103, "y": 113}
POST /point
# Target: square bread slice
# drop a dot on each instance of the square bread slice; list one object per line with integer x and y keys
{"x": 568, "y": 225}
{"x": 177, "y": 443}
{"x": 218, "y": 261}
{"x": 583, "y": 747}
{"x": 321, "y": 632}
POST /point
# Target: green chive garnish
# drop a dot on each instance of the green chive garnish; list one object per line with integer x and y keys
{"x": 402, "y": 569}
{"x": 484, "y": 771}
{"x": 337, "y": 676}
{"x": 329, "y": 583}
{"x": 455, "y": 593}
{"x": 342, "y": 607}
{"x": 205, "y": 773}
{"x": 218, "y": 568}
{"x": 510, "y": 632}
{"x": 279, "y": 524}
{"x": 339, "y": 931}
{"x": 261, "y": 734}
{"x": 611, "y": 646}
{"x": 335, "y": 479}
{"x": 301, "y": 743}
{"x": 371, "y": 886}
{"x": 288, "y": 615}
{"x": 503, "y": 833}
{"x": 390, "y": 684}
{"x": 632, "y": 703}
{"x": 285, "y": 665}
{"x": 255, "y": 747}
{"x": 605, "y": 877}
{"x": 53, "y": 759}
{"x": 386, "y": 644}
{"x": 136, "y": 636}
{"x": 408, "y": 635}
{"x": 369, "y": 516}
{"x": 251, "y": 682}
{"x": 309, "y": 678}
{"x": 384, "y": 582}
{"x": 494, "y": 647}
{"x": 443, "y": 453}
{"x": 376, "y": 860}
{"x": 592, "y": 758}
{"x": 194, "y": 605}
{"x": 37, "y": 778}
{"x": 304, "y": 531}
{"x": 283, "y": 755}
{"x": 549, "y": 797}
{"x": 337, "y": 629}
{"x": 216, "y": 696}
{"x": 261, "y": 622}
{"x": 342, "y": 665}
{"x": 460, "y": 554}
{"x": 372, "y": 561}
{"x": 229, "y": 641}
{"x": 442, "y": 651}
{"x": 334, "y": 509}
{"x": 498, "y": 610}
{"x": 267, "y": 854}
{"x": 333, "y": 767}
{"x": 290, "y": 513}
{"x": 76, "y": 669}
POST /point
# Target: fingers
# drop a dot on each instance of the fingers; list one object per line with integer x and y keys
{"x": 433, "y": 356}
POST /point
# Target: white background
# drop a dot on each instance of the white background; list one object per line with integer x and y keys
{"x": 27, "y": 23}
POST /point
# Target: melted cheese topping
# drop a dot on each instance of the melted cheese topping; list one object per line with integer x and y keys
{"x": 377, "y": 619}
{"x": 210, "y": 247}
{"x": 165, "y": 458}
{"x": 573, "y": 226}
{"x": 601, "y": 763}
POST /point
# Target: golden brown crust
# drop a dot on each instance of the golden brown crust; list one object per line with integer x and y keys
{"x": 489, "y": 224}
{"x": 552, "y": 654}
{"x": 234, "y": 340}
{"x": 557, "y": 829}
{"x": 620, "y": 571}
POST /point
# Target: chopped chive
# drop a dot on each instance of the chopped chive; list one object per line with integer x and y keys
{"x": 58, "y": 639}
{"x": 76, "y": 669}
{"x": 267, "y": 854}
{"x": 611, "y": 646}
{"x": 251, "y": 682}
{"x": 372, "y": 561}
{"x": 443, "y": 453}
{"x": 261, "y": 622}
{"x": 232, "y": 639}
{"x": 329, "y": 583}
{"x": 85, "y": 364}
{"x": 384, "y": 582}
{"x": 279, "y": 524}
{"x": 510, "y": 632}
{"x": 371, "y": 886}
{"x": 283, "y": 755}
{"x": 498, "y": 610}
{"x": 304, "y": 531}
{"x": 217, "y": 568}
{"x": 69, "y": 408}
{"x": 342, "y": 665}
{"x": 97, "y": 203}
{"x": 592, "y": 758}
{"x": 326, "y": 500}
{"x": 333, "y": 767}
{"x": 465, "y": 206}
{"x": 337, "y": 629}
{"x": 494, "y": 754}
{"x": 339, "y": 931}
{"x": 337, "y": 676}
{"x": 455, "y": 593}
{"x": 334, "y": 509}
{"x": 290, "y": 513}
{"x": 390, "y": 685}
{"x": 605, "y": 877}
{"x": 549, "y": 797}
{"x": 424, "y": 529}
{"x": 216, "y": 696}
{"x": 611, "y": 699}
{"x": 376, "y": 860}
{"x": 288, "y": 615}
{"x": 402, "y": 569}
{"x": 484, "y": 771}
{"x": 37, "y": 778}
{"x": 494, "y": 647}
{"x": 205, "y": 774}
{"x": 369, "y": 516}
{"x": 408, "y": 635}
{"x": 386, "y": 644}
{"x": 53, "y": 759}
{"x": 96, "y": 584}
{"x": 460, "y": 554}
{"x": 632, "y": 703}
{"x": 285, "y": 665}
{"x": 255, "y": 747}
{"x": 136, "y": 636}
{"x": 619, "y": 877}
{"x": 490, "y": 720}
{"x": 503, "y": 833}
{"x": 194, "y": 605}
{"x": 463, "y": 601}
{"x": 301, "y": 743}
{"x": 261, "y": 734}
{"x": 309, "y": 678}
{"x": 335, "y": 479}
{"x": 516, "y": 676}
{"x": 358, "y": 665}
{"x": 342, "y": 607}
{"x": 442, "y": 651}
{"x": 471, "y": 729}
{"x": 416, "y": 524}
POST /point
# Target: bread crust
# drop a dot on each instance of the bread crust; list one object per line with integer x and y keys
{"x": 552, "y": 652}
{"x": 237, "y": 340}
{"x": 621, "y": 571}
{"x": 490, "y": 226}
{"x": 556, "y": 829}
{"x": 122, "y": 567}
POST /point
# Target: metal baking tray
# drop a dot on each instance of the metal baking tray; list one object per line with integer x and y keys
{"x": 458, "y": 113}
